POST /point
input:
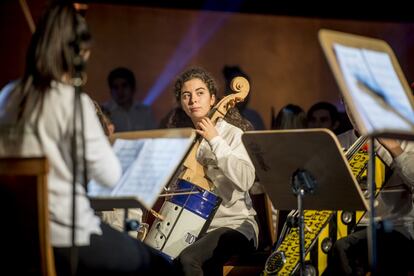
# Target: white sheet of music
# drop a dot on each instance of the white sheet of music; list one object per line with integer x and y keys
{"x": 147, "y": 164}
{"x": 375, "y": 88}
{"x": 127, "y": 151}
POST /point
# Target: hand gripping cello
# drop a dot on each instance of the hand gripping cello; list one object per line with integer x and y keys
{"x": 188, "y": 213}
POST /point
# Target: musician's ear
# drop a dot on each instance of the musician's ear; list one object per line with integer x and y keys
{"x": 212, "y": 100}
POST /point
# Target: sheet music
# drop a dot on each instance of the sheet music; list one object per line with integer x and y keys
{"x": 375, "y": 88}
{"x": 148, "y": 164}
{"x": 127, "y": 151}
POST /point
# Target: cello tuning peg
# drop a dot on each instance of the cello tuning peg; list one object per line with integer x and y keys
{"x": 231, "y": 103}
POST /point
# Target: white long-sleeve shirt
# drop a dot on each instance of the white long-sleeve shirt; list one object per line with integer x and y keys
{"x": 55, "y": 128}
{"x": 232, "y": 173}
{"x": 396, "y": 197}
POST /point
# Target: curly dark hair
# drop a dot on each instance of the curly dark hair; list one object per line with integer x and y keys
{"x": 234, "y": 117}
{"x": 194, "y": 73}
{"x": 178, "y": 118}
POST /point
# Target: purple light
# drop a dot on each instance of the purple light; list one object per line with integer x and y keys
{"x": 203, "y": 29}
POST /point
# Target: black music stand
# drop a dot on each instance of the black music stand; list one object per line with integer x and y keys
{"x": 110, "y": 203}
{"x": 303, "y": 162}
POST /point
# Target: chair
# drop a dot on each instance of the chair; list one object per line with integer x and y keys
{"x": 253, "y": 264}
{"x": 25, "y": 229}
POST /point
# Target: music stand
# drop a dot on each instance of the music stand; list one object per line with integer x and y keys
{"x": 377, "y": 94}
{"x": 279, "y": 155}
{"x": 135, "y": 197}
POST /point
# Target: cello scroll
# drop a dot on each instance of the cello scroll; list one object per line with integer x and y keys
{"x": 240, "y": 87}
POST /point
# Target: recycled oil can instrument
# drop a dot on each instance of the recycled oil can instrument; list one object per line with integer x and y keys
{"x": 187, "y": 216}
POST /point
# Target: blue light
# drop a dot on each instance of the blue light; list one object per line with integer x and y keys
{"x": 203, "y": 28}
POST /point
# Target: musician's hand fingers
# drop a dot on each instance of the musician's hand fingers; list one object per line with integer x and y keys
{"x": 392, "y": 145}
{"x": 201, "y": 126}
{"x": 203, "y": 122}
{"x": 206, "y": 128}
{"x": 208, "y": 123}
{"x": 200, "y": 132}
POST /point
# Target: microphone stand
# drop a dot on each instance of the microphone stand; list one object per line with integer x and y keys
{"x": 302, "y": 183}
{"x": 77, "y": 82}
{"x": 372, "y": 226}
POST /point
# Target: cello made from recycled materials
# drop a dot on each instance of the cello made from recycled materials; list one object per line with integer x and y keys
{"x": 187, "y": 216}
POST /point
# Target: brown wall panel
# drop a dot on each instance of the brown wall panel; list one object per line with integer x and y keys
{"x": 15, "y": 37}
{"x": 281, "y": 54}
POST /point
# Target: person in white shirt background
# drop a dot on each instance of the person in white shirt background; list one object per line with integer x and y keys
{"x": 37, "y": 120}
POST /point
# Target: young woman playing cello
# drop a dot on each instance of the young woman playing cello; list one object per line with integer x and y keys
{"x": 233, "y": 230}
